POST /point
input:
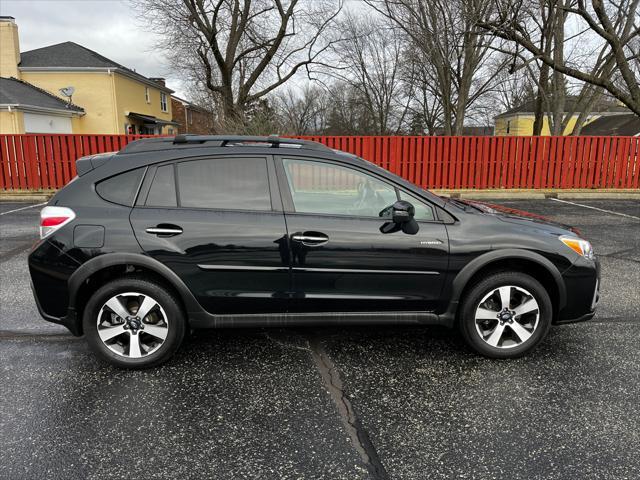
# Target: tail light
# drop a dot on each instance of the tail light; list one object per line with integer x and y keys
{"x": 53, "y": 218}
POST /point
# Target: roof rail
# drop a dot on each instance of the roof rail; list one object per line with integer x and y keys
{"x": 189, "y": 140}
{"x": 274, "y": 141}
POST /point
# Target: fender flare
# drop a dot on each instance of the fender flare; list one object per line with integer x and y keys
{"x": 138, "y": 260}
{"x": 462, "y": 278}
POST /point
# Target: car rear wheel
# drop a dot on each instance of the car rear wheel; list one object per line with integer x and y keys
{"x": 133, "y": 323}
{"x": 505, "y": 315}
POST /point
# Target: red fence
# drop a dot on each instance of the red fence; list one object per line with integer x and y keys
{"x": 48, "y": 161}
{"x": 41, "y": 162}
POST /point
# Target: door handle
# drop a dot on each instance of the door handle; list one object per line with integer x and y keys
{"x": 164, "y": 230}
{"x": 310, "y": 239}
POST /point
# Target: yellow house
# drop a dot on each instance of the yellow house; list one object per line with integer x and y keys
{"x": 113, "y": 98}
{"x": 518, "y": 121}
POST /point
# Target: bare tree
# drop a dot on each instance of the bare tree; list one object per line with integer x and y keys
{"x": 545, "y": 23}
{"x": 425, "y": 102}
{"x": 303, "y": 112}
{"x": 368, "y": 58}
{"x": 613, "y": 25}
{"x": 454, "y": 48}
{"x": 241, "y": 50}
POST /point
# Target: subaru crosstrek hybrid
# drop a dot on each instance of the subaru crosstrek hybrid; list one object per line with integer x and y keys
{"x": 172, "y": 234}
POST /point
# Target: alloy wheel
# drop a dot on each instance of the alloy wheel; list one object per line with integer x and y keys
{"x": 507, "y": 317}
{"x": 132, "y": 325}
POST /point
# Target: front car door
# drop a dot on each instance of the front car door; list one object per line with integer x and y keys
{"x": 340, "y": 259}
{"x": 218, "y": 223}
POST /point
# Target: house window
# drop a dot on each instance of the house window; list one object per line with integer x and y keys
{"x": 163, "y": 101}
{"x": 189, "y": 117}
{"x": 509, "y": 126}
{"x": 146, "y": 95}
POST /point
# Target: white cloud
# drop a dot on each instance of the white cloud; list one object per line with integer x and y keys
{"x": 108, "y": 27}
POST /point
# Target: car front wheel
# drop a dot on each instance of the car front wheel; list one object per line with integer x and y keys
{"x": 505, "y": 315}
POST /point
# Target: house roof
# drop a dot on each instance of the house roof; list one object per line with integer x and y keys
{"x": 19, "y": 93}
{"x": 625, "y": 124}
{"x": 70, "y": 55}
{"x": 604, "y": 105}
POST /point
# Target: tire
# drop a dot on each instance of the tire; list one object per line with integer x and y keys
{"x": 494, "y": 332}
{"x": 156, "y": 336}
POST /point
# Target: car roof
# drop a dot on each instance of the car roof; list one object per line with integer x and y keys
{"x": 149, "y": 151}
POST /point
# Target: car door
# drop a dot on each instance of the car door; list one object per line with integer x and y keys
{"x": 341, "y": 261}
{"x": 218, "y": 223}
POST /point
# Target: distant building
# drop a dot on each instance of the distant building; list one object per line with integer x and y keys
{"x": 191, "y": 118}
{"x": 519, "y": 120}
{"x": 482, "y": 131}
{"x": 626, "y": 124}
{"x": 111, "y": 98}
{"x": 25, "y": 108}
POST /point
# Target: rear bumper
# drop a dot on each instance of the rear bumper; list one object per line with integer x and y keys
{"x": 70, "y": 320}
{"x": 50, "y": 270}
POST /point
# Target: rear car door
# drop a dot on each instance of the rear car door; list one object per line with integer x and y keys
{"x": 218, "y": 223}
{"x": 340, "y": 259}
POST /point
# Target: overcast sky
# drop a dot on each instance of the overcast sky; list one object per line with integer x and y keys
{"x": 107, "y": 26}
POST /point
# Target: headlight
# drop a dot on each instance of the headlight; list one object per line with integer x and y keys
{"x": 578, "y": 245}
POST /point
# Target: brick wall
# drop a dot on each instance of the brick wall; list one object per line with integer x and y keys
{"x": 191, "y": 120}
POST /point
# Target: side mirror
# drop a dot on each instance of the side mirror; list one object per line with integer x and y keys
{"x": 402, "y": 213}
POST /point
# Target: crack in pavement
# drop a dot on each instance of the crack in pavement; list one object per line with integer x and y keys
{"x": 359, "y": 437}
{"x": 13, "y": 252}
{"x": 25, "y": 334}
{"x": 4, "y": 256}
{"x": 333, "y": 383}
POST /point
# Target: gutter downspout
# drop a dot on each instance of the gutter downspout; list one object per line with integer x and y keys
{"x": 14, "y": 119}
{"x": 116, "y": 114}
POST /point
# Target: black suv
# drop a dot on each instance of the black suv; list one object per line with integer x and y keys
{"x": 212, "y": 231}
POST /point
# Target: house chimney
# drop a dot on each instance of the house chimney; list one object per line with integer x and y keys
{"x": 9, "y": 48}
{"x": 159, "y": 80}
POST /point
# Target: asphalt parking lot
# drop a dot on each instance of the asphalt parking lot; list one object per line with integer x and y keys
{"x": 383, "y": 402}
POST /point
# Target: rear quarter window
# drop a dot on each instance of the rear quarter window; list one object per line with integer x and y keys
{"x": 121, "y": 188}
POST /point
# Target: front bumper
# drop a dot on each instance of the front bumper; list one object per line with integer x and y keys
{"x": 583, "y": 318}
{"x": 582, "y": 282}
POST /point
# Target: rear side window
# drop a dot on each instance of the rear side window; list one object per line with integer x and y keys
{"x": 224, "y": 183}
{"x": 122, "y": 188}
{"x": 163, "y": 188}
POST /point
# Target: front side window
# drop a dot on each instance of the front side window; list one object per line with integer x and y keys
{"x": 146, "y": 95}
{"x": 424, "y": 212}
{"x": 224, "y": 183}
{"x": 163, "y": 101}
{"x": 324, "y": 188}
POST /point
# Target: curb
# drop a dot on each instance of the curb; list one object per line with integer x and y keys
{"x": 622, "y": 194}
{"x": 25, "y": 198}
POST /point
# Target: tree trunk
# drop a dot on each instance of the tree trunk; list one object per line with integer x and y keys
{"x": 539, "y": 113}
